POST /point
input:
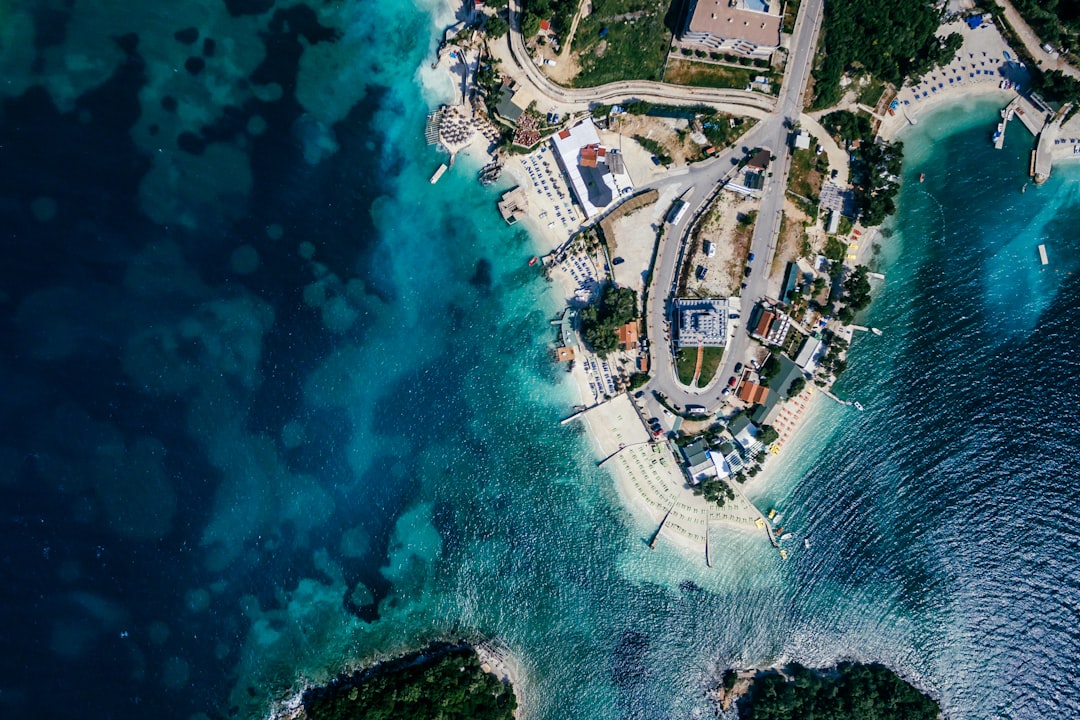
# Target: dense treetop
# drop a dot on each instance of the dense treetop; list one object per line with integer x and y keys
{"x": 852, "y": 692}
{"x": 439, "y": 683}
{"x": 889, "y": 39}
{"x": 617, "y": 306}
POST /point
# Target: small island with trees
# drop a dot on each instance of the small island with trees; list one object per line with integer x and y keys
{"x": 439, "y": 682}
{"x": 849, "y": 691}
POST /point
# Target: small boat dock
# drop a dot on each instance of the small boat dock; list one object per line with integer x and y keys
{"x": 1042, "y": 255}
{"x": 438, "y": 173}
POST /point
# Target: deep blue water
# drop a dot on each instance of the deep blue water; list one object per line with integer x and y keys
{"x": 271, "y": 403}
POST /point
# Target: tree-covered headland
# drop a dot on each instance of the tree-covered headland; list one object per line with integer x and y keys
{"x": 888, "y": 39}
{"x": 441, "y": 682}
{"x": 850, "y": 692}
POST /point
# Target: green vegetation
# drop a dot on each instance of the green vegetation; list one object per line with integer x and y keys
{"x": 796, "y": 386}
{"x": 856, "y": 294}
{"x": 638, "y": 379}
{"x": 559, "y": 12}
{"x": 769, "y": 370}
{"x": 1056, "y": 22}
{"x": 530, "y": 25}
{"x": 835, "y": 347}
{"x": 710, "y": 363}
{"x": 767, "y": 434}
{"x": 808, "y": 173}
{"x": 496, "y": 26}
{"x": 685, "y": 364}
{"x": 715, "y": 490}
{"x": 887, "y": 39}
{"x": 438, "y": 683}
{"x": 852, "y": 692}
{"x": 700, "y": 74}
{"x": 617, "y": 306}
{"x": 621, "y": 40}
{"x": 875, "y": 168}
{"x": 848, "y": 126}
{"x": 871, "y": 92}
{"x": 835, "y": 250}
{"x": 791, "y": 12}
{"x": 655, "y": 148}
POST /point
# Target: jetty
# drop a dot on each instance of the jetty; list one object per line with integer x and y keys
{"x": 438, "y": 173}
{"x": 656, "y": 534}
{"x": 431, "y": 127}
{"x": 863, "y": 328}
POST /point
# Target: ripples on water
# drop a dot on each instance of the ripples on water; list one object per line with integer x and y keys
{"x": 343, "y": 405}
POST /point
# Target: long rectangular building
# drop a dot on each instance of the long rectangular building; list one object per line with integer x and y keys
{"x": 737, "y": 26}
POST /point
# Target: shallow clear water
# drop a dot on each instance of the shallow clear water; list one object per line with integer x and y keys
{"x": 272, "y": 402}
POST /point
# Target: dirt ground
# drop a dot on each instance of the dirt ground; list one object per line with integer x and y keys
{"x": 635, "y": 236}
{"x": 790, "y": 244}
{"x": 663, "y": 130}
{"x": 724, "y": 270}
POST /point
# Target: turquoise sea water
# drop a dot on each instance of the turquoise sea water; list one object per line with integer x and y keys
{"x": 273, "y": 403}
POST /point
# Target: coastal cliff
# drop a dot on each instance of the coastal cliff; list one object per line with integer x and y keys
{"x": 849, "y": 691}
{"x": 440, "y": 681}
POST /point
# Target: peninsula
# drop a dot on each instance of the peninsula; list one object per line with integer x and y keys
{"x": 712, "y": 211}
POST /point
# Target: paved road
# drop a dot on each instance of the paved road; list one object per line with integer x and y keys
{"x": 771, "y": 133}
{"x": 1034, "y": 44}
{"x": 743, "y": 102}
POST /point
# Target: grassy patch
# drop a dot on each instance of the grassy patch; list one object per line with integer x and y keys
{"x": 807, "y": 173}
{"x": 871, "y": 92}
{"x": 634, "y": 43}
{"x": 710, "y": 363}
{"x": 791, "y": 11}
{"x": 685, "y": 364}
{"x": 700, "y": 74}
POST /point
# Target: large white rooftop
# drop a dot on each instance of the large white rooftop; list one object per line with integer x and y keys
{"x": 597, "y": 178}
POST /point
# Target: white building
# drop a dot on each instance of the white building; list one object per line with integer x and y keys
{"x": 597, "y": 174}
{"x": 746, "y": 27}
{"x": 708, "y": 322}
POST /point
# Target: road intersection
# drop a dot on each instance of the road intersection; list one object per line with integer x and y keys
{"x": 776, "y": 116}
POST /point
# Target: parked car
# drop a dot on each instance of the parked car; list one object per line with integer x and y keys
{"x": 834, "y": 173}
{"x": 654, "y": 421}
{"x": 639, "y": 394}
{"x": 751, "y": 258}
{"x": 617, "y": 261}
{"x": 746, "y": 271}
{"x": 731, "y": 381}
{"x": 738, "y": 368}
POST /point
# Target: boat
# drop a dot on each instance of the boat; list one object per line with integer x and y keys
{"x": 490, "y": 172}
{"x": 858, "y": 405}
{"x": 922, "y": 177}
{"x": 787, "y": 536}
{"x": 783, "y": 554}
{"x": 806, "y": 543}
{"x": 772, "y": 513}
{"x": 534, "y": 260}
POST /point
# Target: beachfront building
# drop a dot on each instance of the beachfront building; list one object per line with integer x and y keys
{"x": 705, "y": 321}
{"x": 809, "y": 354}
{"x": 597, "y": 174}
{"x": 746, "y": 27}
{"x": 699, "y": 461}
{"x": 745, "y": 435}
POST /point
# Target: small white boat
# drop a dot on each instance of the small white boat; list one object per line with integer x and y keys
{"x": 858, "y": 405}
{"x": 786, "y": 536}
{"x": 806, "y": 543}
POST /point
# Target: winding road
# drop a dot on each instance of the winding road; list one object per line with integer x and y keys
{"x": 776, "y": 115}
{"x": 742, "y": 102}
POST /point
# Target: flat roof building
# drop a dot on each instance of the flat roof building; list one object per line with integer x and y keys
{"x": 597, "y": 174}
{"x": 731, "y": 26}
{"x": 705, "y": 321}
